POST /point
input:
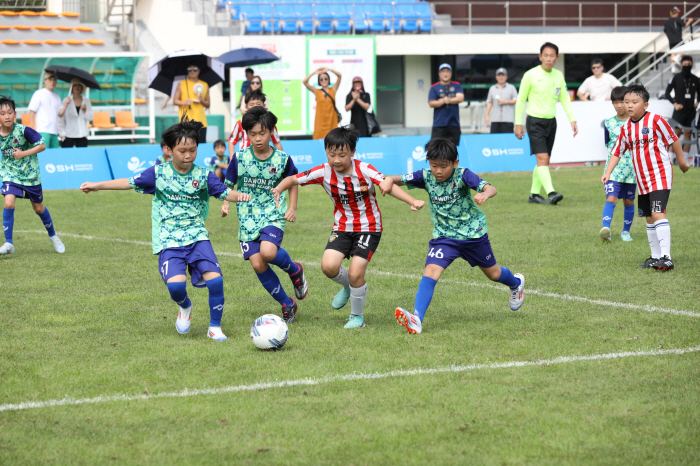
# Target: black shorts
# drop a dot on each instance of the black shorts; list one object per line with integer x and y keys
{"x": 501, "y": 127}
{"x": 541, "y": 132}
{"x": 354, "y": 244}
{"x": 77, "y": 142}
{"x": 683, "y": 119}
{"x": 654, "y": 202}
{"x": 452, "y": 133}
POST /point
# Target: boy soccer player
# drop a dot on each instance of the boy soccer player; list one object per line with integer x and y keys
{"x": 622, "y": 181}
{"x": 647, "y": 136}
{"x": 180, "y": 206}
{"x": 219, "y": 163}
{"x": 261, "y": 222}
{"x": 254, "y": 99}
{"x": 165, "y": 157}
{"x": 460, "y": 228}
{"x": 19, "y": 169}
{"x": 358, "y": 221}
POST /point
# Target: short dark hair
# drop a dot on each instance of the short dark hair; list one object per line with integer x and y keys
{"x": 219, "y": 142}
{"x": 181, "y": 132}
{"x": 687, "y": 58}
{"x": 337, "y": 138}
{"x": 441, "y": 150}
{"x": 550, "y": 45}
{"x": 618, "y": 93}
{"x": 258, "y": 115}
{"x": 640, "y": 90}
{"x": 249, "y": 70}
{"x": 6, "y": 101}
{"x": 597, "y": 61}
{"x": 162, "y": 144}
{"x": 321, "y": 74}
{"x": 255, "y": 95}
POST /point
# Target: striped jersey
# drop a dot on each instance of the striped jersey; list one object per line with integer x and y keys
{"x": 239, "y": 135}
{"x": 353, "y": 195}
{"x": 647, "y": 140}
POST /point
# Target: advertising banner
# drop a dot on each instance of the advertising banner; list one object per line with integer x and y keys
{"x": 69, "y": 168}
{"x": 127, "y": 161}
{"x": 496, "y": 153}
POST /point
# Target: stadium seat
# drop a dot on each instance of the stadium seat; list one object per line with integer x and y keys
{"x": 9, "y": 42}
{"x": 125, "y": 120}
{"x": 288, "y": 14}
{"x": 253, "y": 17}
{"x": 28, "y": 13}
{"x": 375, "y": 17}
{"x": 84, "y": 29}
{"x": 26, "y": 119}
{"x": 360, "y": 19}
{"x": 70, "y": 14}
{"x": 95, "y": 42}
{"x": 343, "y": 15}
{"x": 64, "y": 28}
{"x": 271, "y": 24}
{"x": 48, "y": 14}
{"x": 4, "y": 28}
{"x": 324, "y": 16}
{"x": 426, "y": 16}
{"x": 73, "y": 42}
{"x": 42, "y": 28}
{"x": 306, "y": 15}
{"x": 31, "y": 42}
{"x": 408, "y": 15}
{"x": 53, "y": 42}
{"x": 102, "y": 120}
{"x": 21, "y": 27}
{"x": 8, "y": 13}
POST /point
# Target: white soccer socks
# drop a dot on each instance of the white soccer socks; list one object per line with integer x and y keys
{"x": 663, "y": 235}
{"x": 653, "y": 241}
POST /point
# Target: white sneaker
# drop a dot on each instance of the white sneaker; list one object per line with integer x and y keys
{"x": 605, "y": 234}
{"x": 410, "y": 321}
{"x": 7, "y": 248}
{"x": 57, "y": 244}
{"x": 182, "y": 324}
{"x": 517, "y": 295}
{"x": 216, "y": 334}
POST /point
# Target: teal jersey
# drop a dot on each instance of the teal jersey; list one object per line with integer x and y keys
{"x": 24, "y": 171}
{"x": 624, "y": 171}
{"x": 216, "y": 160}
{"x": 180, "y": 203}
{"x": 257, "y": 177}
{"x": 161, "y": 159}
{"x": 452, "y": 209}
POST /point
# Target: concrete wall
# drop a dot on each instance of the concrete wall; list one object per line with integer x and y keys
{"x": 416, "y": 109}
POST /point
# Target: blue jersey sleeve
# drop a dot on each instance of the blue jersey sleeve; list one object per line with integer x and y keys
{"x": 232, "y": 172}
{"x": 414, "y": 180}
{"x": 290, "y": 168}
{"x": 472, "y": 180}
{"x": 216, "y": 188}
{"x": 144, "y": 182}
{"x": 607, "y": 134}
{"x": 32, "y": 136}
{"x": 433, "y": 93}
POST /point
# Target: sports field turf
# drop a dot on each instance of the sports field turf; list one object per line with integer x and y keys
{"x": 97, "y": 322}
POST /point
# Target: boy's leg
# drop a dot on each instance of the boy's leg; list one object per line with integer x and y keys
{"x": 271, "y": 282}
{"x": 358, "y": 285}
{"x": 332, "y": 267}
{"x": 609, "y": 209}
{"x": 516, "y": 283}
{"x": 272, "y": 253}
{"x": 426, "y": 289}
{"x": 645, "y": 208}
{"x": 177, "y": 287}
{"x": 45, "y": 217}
{"x": 628, "y": 201}
{"x": 8, "y": 222}
{"x": 215, "y": 284}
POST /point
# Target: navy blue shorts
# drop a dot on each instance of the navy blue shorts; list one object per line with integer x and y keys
{"x": 620, "y": 190}
{"x": 33, "y": 193}
{"x": 195, "y": 258}
{"x": 272, "y": 234}
{"x": 443, "y": 251}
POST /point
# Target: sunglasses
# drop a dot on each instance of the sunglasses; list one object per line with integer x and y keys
{"x": 596, "y": 67}
{"x": 193, "y": 69}
{"x": 255, "y": 82}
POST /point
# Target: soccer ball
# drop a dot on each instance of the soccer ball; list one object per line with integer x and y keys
{"x": 269, "y": 332}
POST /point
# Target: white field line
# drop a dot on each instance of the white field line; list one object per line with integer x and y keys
{"x": 67, "y": 401}
{"x": 567, "y": 297}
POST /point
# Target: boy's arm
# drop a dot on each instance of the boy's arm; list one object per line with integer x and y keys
{"x": 25, "y": 153}
{"x": 291, "y": 214}
{"x": 286, "y": 183}
{"x": 235, "y": 196}
{"x": 402, "y": 195}
{"x": 678, "y": 150}
{"x": 487, "y": 192}
{"x": 386, "y": 185}
{"x": 120, "y": 184}
{"x": 278, "y": 146}
{"x": 396, "y": 179}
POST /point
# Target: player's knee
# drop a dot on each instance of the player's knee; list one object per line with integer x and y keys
{"x": 330, "y": 270}
{"x": 9, "y": 202}
{"x": 357, "y": 278}
{"x": 38, "y": 208}
{"x": 629, "y": 202}
{"x": 268, "y": 255}
{"x": 611, "y": 199}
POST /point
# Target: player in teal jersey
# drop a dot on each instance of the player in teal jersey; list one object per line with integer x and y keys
{"x": 165, "y": 157}
{"x": 255, "y": 171}
{"x": 460, "y": 228}
{"x": 622, "y": 183}
{"x": 180, "y": 206}
{"x": 219, "y": 162}
{"x": 21, "y": 178}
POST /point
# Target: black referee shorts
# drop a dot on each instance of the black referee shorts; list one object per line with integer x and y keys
{"x": 541, "y": 132}
{"x": 683, "y": 119}
{"x": 453, "y": 133}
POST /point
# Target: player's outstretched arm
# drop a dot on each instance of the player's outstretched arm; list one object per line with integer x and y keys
{"x": 291, "y": 214}
{"x": 611, "y": 166}
{"x": 402, "y": 195}
{"x": 18, "y": 154}
{"x": 121, "y": 184}
{"x": 678, "y": 150}
{"x": 487, "y": 193}
{"x": 235, "y": 196}
{"x": 386, "y": 185}
{"x": 286, "y": 183}
{"x": 396, "y": 179}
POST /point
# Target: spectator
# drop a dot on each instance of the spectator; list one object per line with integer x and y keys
{"x": 445, "y": 97}
{"x": 74, "y": 116}
{"x": 687, "y": 93}
{"x": 256, "y": 84}
{"x": 43, "y": 112}
{"x": 357, "y": 103}
{"x": 502, "y": 98}
{"x": 327, "y": 116}
{"x": 598, "y": 87}
{"x": 674, "y": 31}
{"x": 195, "y": 103}
{"x": 249, "y": 75}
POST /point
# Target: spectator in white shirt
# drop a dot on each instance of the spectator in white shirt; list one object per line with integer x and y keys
{"x": 74, "y": 117}
{"x": 599, "y": 86}
{"x": 43, "y": 111}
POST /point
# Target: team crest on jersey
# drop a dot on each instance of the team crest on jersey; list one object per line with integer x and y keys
{"x": 645, "y": 130}
{"x": 195, "y": 184}
{"x": 15, "y": 141}
{"x": 273, "y": 170}
{"x": 334, "y": 236}
{"x": 364, "y": 188}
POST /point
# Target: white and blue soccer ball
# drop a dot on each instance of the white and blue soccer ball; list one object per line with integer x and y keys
{"x": 269, "y": 332}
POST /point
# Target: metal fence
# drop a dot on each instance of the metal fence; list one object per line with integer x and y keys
{"x": 13, "y": 5}
{"x": 91, "y": 11}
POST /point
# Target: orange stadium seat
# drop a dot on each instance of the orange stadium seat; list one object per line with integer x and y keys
{"x": 138, "y": 101}
{"x": 3, "y": 27}
{"x": 125, "y": 120}
{"x": 102, "y": 120}
{"x": 28, "y": 13}
{"x": 21, "y": 27}
{"x": 63, "y": 28}
{"x": 8, "y": 13}
{"x": 84, "y": 29}
{"x": 70, "y": 14}
{"x": 31, "y": 42}
{"x": 95, "y": 42}
{"x": 49, "y": 14}
{"x": 43, "y": 28}
{"x": 9, "y": 42}
{"x": 26, "y": 119}
{"x": 73, "y": 42}
{"x": 53, "y": 42}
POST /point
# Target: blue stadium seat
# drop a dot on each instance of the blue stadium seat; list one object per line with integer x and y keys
{"x": 324, "y": 15}
{"x": 253, "y": 15}
{"x": 288, "y": 13}
{"x": 375, "y": 16}
{"x": 270, "y": 24}
{"x": 408, "y": 14}
{"x": 342, "y": 15}
{"x": 360, "y": 19}
{"x": 426, "y": 16}
{"x": 388, "y": 13}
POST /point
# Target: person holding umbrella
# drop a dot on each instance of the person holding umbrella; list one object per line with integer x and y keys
{"x": 74, "y": 116}
{"x": 43, "y": 111}
{"x": 196, "y": 99}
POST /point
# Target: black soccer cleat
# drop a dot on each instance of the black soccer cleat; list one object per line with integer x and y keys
{"x": 555, "y": 197}
{"x": 648, "y": 263}
{"x": 537, "y": 199}
{"x": 289, "y": 313}
{"x": 301, "y": 287}
{"x": 665, "y": 264}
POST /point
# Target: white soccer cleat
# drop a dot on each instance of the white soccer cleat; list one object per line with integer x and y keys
{"x": 216, "y": 334}
{"x": 57, "y": 244}
{"x": 7, "y": 248}
{"x": 182, "y": 324}
{"x": 517, "y": 295}
{"x": 605, "y": 234}
{"x": 410, "y": 321}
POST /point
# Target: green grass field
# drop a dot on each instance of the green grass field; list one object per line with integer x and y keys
{"x": 97, "y": 321}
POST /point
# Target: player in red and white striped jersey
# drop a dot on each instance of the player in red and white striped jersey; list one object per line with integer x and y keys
{"x": 254, "y": 99}
{"x": 647, "y": 137}
{"x": 357, "y": 229}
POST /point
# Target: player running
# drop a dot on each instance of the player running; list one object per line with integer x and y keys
{"x": 254, "y": 99}
{"x": 21, "y": 178}
{"x": 647, "y": 136}
{"x": 180, "y": 206}
{"x": 351, "y": 184}
{"x": 460, "y": 228}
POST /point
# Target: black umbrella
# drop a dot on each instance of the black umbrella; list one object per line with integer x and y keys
{"x": 162, "y": 74}
{"x": 246, "y": 57}
{"x": 67, "y": 73}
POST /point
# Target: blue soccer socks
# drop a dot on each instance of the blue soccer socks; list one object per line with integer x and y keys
{"x": 8, "y": 223}
{"x": 608, "y": 212}
{"x": 271, "y": 282}
{"x": 284, "y": 262}
{"x": 508, "y": 279}
{"x": 46, "y": 220}
{"x": 216, "y": 300}
{"x": 424, "y": 295}
{"x": 629, "y": 217}
{"x": 178, "y": 292}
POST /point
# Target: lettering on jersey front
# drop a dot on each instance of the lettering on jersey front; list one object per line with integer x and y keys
{"x": 180, "y": 196}
{"x": 448, "y": 199}
{"x": 258, "y": 183}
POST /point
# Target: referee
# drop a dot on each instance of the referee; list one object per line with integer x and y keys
{"x": 542, "y": 86}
